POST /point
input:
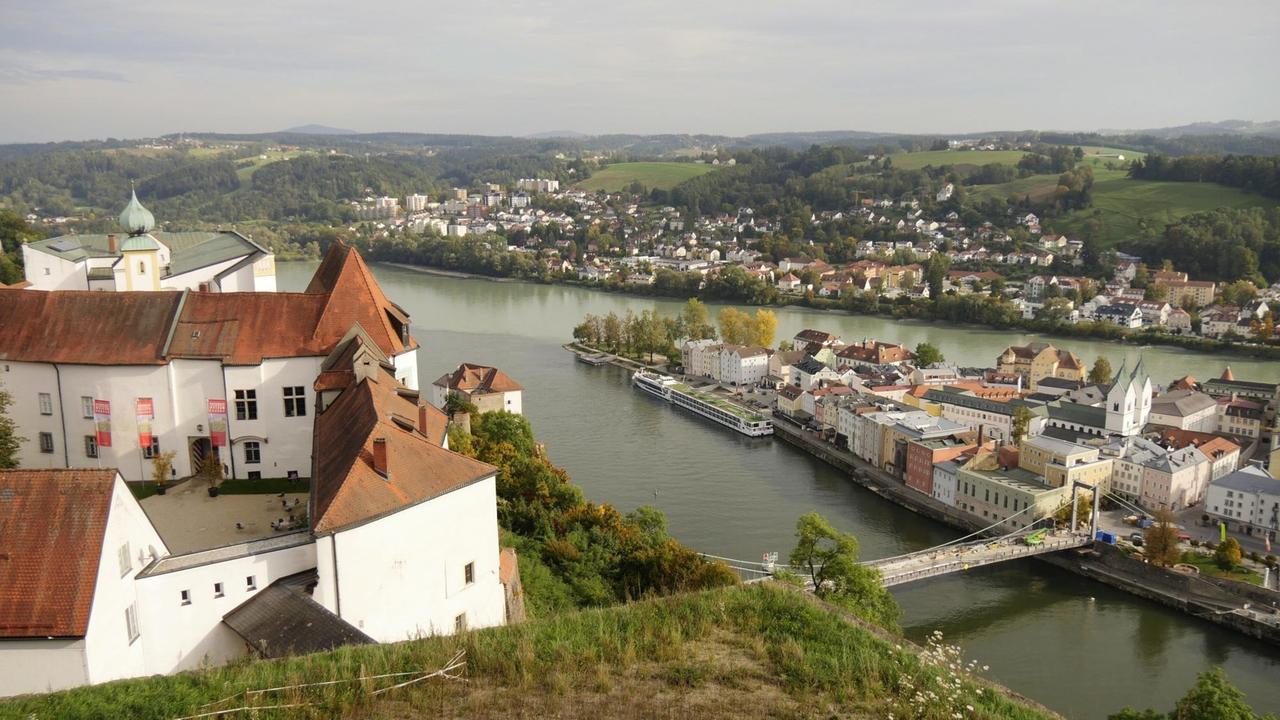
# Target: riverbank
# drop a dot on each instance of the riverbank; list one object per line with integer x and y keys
{"x": 1244, "y": 608}
{"x": 910, "y": 313}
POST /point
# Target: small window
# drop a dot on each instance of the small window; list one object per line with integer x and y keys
{"x": 460, "y": 623}
{"x": 91, "y": 446}
{"x": 131, "y": 622}
{"x": 185, "y": 596}
{"x": 86, "y": 406}
{"x": 46, "y": 404}
{"x": 250, "y": 583}
{"x": 142, "y": 268}
{"x": 46, "y": 442}
{"x": 246, "y": 404}
{"x": 217, "y": 590}
{"x": 126, "y": 562}
{"x": 469, "y": 573}
{"x": 295, "y": 401}
{"x": 255, "y": 475}
{"x": 252, "y": 453}
{"x": 152, "y": 451}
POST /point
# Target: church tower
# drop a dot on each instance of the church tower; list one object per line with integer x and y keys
{"x": 1129, "y": 401}
{"x": 139, "y": 265}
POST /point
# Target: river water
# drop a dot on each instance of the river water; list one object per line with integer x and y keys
{"x": 1080, "y": 648}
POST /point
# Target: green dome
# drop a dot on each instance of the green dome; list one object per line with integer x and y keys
{"x": 140, "y": 242}
{"x": 136, "y": 219}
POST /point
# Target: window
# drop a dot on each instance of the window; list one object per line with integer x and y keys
{"x": 250, "y": 583}
{"x": 126, "y": 562}
{"x": 142, "y": 268}
{"x": 153, "y": 450}
{"x": 246, "y": 404}
{"x": 255, "y": 475}
{"x": 86, "y": 406}
{"x": 217, "y": 590}
{"x": 91, "y": 446}
{"x": 46, "y": 442}
{"x": 185, "y": 596}
{"x": 295, "y": 401}
{"x": 469, "y": 573}
{"x": 46, "y": 404}
{"x": 131, "y": 622}
{"x": 252, "y": 453}
{"x": 460, "y": 623}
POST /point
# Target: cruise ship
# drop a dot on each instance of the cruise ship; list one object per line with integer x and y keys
{"x": 707, "y": 405}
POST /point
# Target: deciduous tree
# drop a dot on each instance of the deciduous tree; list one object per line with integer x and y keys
{"x": 10, "y": 441}
{"x": 1160, "y": 540}
{"x": 928, "y": 354}
{"x": 1101, "y": 372}
{"x": 1228, "y": 554}
{"x": 830, "y": 560}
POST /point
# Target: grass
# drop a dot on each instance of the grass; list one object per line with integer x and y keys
{"x": 265, "y": 486}
{"x": 142, "y": 490}
{"x": 660, "y": 175}
{"x": 1209, "y": 568}
{"x": 974, "y": 158}
{"x": 752, "y": 651}
{"x": 247, "y": 167}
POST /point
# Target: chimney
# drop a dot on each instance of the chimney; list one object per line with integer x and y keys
{"x": 380, "y": 457}
{"x": 422, "y": 418}
{"x": 112, "y": 247}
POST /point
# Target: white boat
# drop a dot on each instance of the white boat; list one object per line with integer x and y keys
{"x": 707, "y": 405}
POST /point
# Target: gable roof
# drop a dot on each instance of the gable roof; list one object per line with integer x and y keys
{"x": 283, "y": 620}
{"x": 355, "y": 297}
{"x": 346, "y": 490}
{"x": 478, "y": 379}
{"x": 51, "y": 530}
{"x": 86, "y": 328}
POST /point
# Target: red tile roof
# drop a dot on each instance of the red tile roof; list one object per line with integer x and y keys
{"x": 148, "y": 328}
{"x": 346, "y": 490}
{"x": 51, "y": 528}
{"x": 478, "y": 379}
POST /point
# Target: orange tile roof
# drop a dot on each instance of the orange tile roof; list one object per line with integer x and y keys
{"x": 471, "y": 379}
{"x": 85, "y": 328}
{"x": 346, "y": 490}
{"x": 51, "y": 530}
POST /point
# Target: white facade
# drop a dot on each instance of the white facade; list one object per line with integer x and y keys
{"x": 743, "y": 365}
{"x": 702, "y": 358}
{"x": 944, "y": 482}
{"x": 404, "y": 575}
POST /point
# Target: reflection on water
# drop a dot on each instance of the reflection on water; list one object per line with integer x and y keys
{"x": 1078, "y": 647}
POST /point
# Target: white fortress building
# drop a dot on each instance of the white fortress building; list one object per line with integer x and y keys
{"x": 399, "y": 538}
{"x": 156, "y": 362}
{"x": 220, "y": 261}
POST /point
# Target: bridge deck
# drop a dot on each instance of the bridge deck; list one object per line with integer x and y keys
{"x": 941, "y": 561}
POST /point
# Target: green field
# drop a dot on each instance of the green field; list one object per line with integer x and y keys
{"x": 1126, "y": 206}
{"x": 247, "y": 167}
{"x": 660, "y": 175}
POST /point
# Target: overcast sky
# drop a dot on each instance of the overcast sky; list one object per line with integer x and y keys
{"x": 75, "y": 70}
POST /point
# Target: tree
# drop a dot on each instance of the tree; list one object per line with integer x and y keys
{"x": 1228, "y": 554}
{"x": 10, "y": 441}
{"x": 1101, "y": 372}
{"x": 1213, "y": 697}
{"x": 1160, "y": 540}
{"x": 734, "y": 326}
{"x": 695, "y": 321}
{"x": 928, "y": 354}
{"x": 830, "y": 559}
{"x": 761, "y": 328}
{"x": 1021, "y": 424}
{"x": 936, "y": 274}
{"x": 162, "y": 466}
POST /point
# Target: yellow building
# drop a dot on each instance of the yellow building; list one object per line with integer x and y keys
{"x": 1199, "y": 292}
{"x": 1063, "y": 463}
{"x": 1016, "y": 496}
{"x": 1038, "y": 361}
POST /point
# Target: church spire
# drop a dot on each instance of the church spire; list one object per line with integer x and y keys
{"x": 136, "y": 219}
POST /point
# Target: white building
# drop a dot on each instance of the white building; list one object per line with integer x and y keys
{"x": 487, "y": 388}
{"x": 743, "y": 365}
{"x": 1185, "y": 410}
{"x": 702, "y": 358}
{"x": 416, "y": 202}
{"x": 1247, "y": 500}
{"x": 88, "y": 367}
{"x": 219, "y": 261}
{"x": 402, "y": 543}
{"x": 945, "y": 475}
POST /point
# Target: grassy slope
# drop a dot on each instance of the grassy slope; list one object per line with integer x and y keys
{"x": 661, "y": 175}
{"x": 755, "y": 651}
{"x": 936, "y": 158}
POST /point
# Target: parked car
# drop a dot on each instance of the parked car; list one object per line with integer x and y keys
{"x": 1136, "y": 539}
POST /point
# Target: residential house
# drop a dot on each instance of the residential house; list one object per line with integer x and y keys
{"x": 1040, "y": 360}
{"x": 1247, "y": 500}
{"x": 1185, "y": 410}
{"x": 488, "y": 388}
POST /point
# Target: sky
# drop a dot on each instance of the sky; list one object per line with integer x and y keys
{"x": 80, "y": 69}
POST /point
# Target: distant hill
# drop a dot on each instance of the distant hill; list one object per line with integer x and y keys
{"x": 558, "y": 135}
{"x": 314, "y": 129}
{"x": 1269, "y": 128}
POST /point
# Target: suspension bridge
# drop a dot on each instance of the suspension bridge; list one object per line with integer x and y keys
{"x": 977, "y": 549}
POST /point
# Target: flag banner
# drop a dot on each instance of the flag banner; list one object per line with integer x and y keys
{"x": 218, "y": 423}
{"x": 102, "y": 422}
{"x": 1267, "y": 538}
{"x": 146, "y": 412}
{"x": 1222, "y": 531}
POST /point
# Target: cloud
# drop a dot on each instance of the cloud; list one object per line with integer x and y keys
{"x": 26, "y": 75}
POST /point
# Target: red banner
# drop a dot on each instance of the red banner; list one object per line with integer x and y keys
{"x": 102, "y": 422}
{"x": 146, "y": 412}
{"x": 218, "y": 423}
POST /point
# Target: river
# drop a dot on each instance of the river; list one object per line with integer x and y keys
{"x": 1080, "y": 648}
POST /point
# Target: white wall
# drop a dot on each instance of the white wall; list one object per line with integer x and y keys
{"x": 110, "y": 655}
{"x": 181, "y": 637}
{"x": 406, "y": 365}
{"x": 41, "y": 665}
{"x": 284, "y": 442}
{"x": 401, "y": 576}
{"x": 47, "y": 272}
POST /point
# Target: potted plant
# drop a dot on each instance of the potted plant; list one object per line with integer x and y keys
{"x": 161, "y": 466}
{"x": 211, "y": 469}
